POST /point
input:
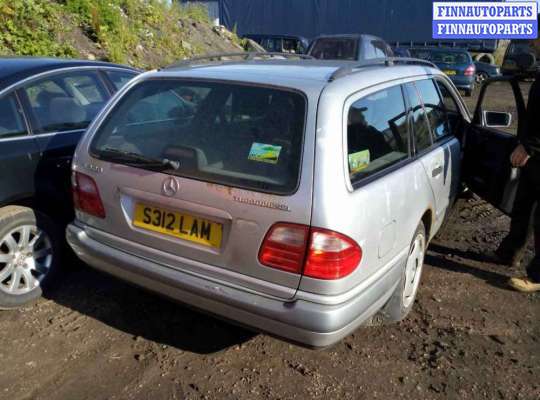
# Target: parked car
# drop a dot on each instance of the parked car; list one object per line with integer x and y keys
{"x": 281, "y": 43}
{"x": 296, "y": 205}
{"x": 456, "y": 63}
{"x": 349, "y": 47}
{"x": 401, "y": 52}
{"x": 517, "y": 49}
{"x": 45, "y": 106}
{"x": 485, "y": 71}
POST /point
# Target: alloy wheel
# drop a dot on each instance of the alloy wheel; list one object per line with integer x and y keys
{"x": 26, "y": 255}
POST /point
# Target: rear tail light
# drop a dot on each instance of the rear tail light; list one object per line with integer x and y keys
{"x": 86, "y": 195}
{"x": 313, "y": 252}
{"x": 470, "y": 70}
{"x": 331, "y": 255}
{"x": 285, "y": 247}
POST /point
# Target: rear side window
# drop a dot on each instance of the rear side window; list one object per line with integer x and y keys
{"x": 237, "y": 135}
{"x": 379, "y": 49}
{"x": 435, "y": 110}
{"x": 422, "y": 135}
{"x": 65, "y": 101}
{"x": 377, "y": 135}
{"x": 335, "y": 49}
{"x": 11, "y": 120}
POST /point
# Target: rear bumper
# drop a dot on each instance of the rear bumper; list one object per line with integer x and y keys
{"x": 310, "y": 323}
{"x": 463, "y": 82}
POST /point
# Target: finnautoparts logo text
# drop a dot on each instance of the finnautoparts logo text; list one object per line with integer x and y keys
{"x": 485, "y": 20}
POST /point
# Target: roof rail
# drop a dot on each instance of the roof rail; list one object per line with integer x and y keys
{"x": 246, "y": 56}
{"x": 387, "y": 62}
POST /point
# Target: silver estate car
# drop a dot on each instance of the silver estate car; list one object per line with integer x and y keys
{"x": 295, "y": 197}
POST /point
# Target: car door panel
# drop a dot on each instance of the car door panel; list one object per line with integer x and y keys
{"x": 486, "y": 165}
{"x": 60, "y": 106}
{"x": 19, "y": 153}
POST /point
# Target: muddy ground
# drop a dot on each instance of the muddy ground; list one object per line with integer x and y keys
{"x": 468, "y": 337}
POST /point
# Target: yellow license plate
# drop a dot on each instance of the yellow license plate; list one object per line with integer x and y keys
{"x": 180, "y": 225}
{"x": 449, "y": 72}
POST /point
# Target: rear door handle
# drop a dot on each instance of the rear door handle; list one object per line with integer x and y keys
{"x": 437, "y": 171}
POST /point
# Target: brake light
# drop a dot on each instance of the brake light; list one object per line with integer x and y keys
{"x": 314, "y": 252}
{"x": 331, "y": 255}
{"x": 285, "y": 247}
{"x": 86, "y": 196}
{"x": 470, "y": 70}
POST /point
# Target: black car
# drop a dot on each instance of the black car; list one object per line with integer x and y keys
{"x": 349, "y": 47}
{"x": 281, "y": 43}
{"x": 485, "y": 71}
{"x": 45, "y": 106}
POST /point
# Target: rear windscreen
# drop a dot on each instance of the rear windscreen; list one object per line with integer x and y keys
{"x": 335, "y": 49}
{"x": 244, "y": 136}
{"x": 450, "y": 58}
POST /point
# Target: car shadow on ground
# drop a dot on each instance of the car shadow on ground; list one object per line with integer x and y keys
{"x": 435, "y": 258}
{"x": 143, "y": 314}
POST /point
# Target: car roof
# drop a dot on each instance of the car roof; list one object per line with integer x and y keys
{"x": 14, "y": 69}
{"x": 295, "y": 74}
{"x": 273, "y": 36}
{"x": 348, "y": 36}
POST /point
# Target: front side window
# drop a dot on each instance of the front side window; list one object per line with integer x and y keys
{"x": 435, "y": 109}
{"x": 452, "y": 109}
{"x": 422, "y": 135}
{"x": 237, "y": 135}
{"x": 11, "y": 120}
{"x": 65, "y": 101}
{"x": 377, "y": 135}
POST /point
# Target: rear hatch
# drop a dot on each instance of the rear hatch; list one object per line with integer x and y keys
{"x": 201, "y": 170}
{"x": 452, "y": 63}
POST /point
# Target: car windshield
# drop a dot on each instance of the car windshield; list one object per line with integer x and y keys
{"x": 231, "y": 134}
{"x": 335, "y": 49}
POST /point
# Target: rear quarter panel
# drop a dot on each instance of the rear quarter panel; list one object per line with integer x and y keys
{"x": 381, "y": 216}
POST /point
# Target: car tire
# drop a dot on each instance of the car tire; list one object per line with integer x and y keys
{"x": 480, "y": 77}
{"x": 402, "y": 300}
{"x": 30, "y": 255}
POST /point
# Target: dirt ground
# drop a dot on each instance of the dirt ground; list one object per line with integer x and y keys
{"x": 468, "y": 337}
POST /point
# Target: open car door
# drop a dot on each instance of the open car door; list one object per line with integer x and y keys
{"x": 491, "y": 139}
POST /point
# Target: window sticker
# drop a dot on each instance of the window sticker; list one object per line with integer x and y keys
{"x": 266, "y": 153}
{"x": 359, "y": 161}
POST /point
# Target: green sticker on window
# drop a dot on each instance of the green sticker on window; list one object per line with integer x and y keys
{"x": 264, "y": 153}
{"x": 359, "y": 161}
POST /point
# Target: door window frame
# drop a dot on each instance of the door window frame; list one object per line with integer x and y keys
{"x": 349, "y": 102}
{"x": 24, "y": 117}
{"x": 17, "y": 86}
{"x": 29, "y": 109}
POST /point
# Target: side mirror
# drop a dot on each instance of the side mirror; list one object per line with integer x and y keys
{"x": 495, "y": 119}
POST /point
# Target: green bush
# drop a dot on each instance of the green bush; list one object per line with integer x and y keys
{"x": 29, "y": 28}
{"x": 143, "y": 33}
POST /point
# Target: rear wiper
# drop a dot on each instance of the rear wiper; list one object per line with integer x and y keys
{"x": 137, "y": 160}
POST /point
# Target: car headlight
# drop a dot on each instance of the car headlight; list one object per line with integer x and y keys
{"x": 497, "y": 71}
